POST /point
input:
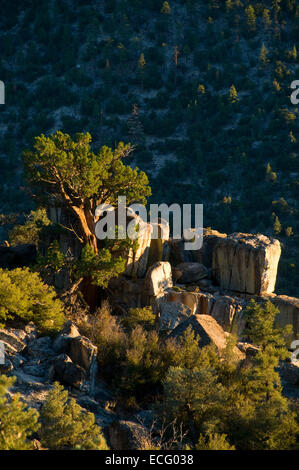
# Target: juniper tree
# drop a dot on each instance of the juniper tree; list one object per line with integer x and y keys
{"x": 68, "y": 173}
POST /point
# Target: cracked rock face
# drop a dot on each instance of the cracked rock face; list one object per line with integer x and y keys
{"x": 207, "y": 331}
{"x": 246, "y": 263}
{"x": 288, "y": 311}
{"x": 187, "y": 273}
{"x": 158, "y": 279}
{"x": 172, "y": 314}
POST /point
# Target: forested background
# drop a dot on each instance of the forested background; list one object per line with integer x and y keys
{"x": 201, "y": 88}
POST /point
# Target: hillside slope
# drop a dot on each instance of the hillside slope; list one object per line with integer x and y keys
{"x": 202, "y": 88}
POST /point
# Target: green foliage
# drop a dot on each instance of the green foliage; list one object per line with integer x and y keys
{"x": 226, "y": 407}
{"x": 166, "y": 8}
{"x": 138, "y": 361}
{"x": 105, "y": 331}
{"x": 261, "y": 329}
{"x": 17, "y": 422}
{"x": 264, "y": 55}
{"x": 213, "y": 442}
{"x": 250, "y": 18}
{"x": 193, "y": 395}
{"x": 25, "y": 297}
{"x": 30, "y": 231}
{"x": 53, "y": 261}
{"x": 140, "y": 316}
{"x": 144, "y": 361}
{"x": 69, "y": 168}
{"x": 277, "y": 225}
{"x": 141, "y": 62}
{"x": 99, "y": 267}
{"x": 65, "y": 425}
{"x": 233, "y": 95}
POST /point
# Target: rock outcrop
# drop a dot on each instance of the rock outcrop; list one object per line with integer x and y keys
{"x": 210, "y": 240}
{"x": 127, "y": 435}
{"x": 67, "y": 372}
{"x": 158, "y": 279}
{"x": 226, "y": 310}
{"x": 70, "y": 358}
{"x": 288, "y": 311}
{"x": 188, "y": 273}
{"x": 198, "y": 302}
{"x": 62, "y": 341}
{"x": 13, "y": 340}
{"x": 207, "y": 330}
{"x": 137, "y": 261}
{"x": 246, "y": 263}
{"x": 172, "y": 314}
{"x": 82, "y": 351}
{"x": 152, "y": 240}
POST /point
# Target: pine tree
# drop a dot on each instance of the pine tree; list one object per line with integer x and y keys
{"x": 192, "y": 396}
{"x": 276, "y": 85}
{"x": 276, "y": 10}
{"x": 65, "y": 425}
{"x": 277, "y": 225}
{"x": 141, "y": 62}
{"x": 176, "y": 53}
{"x": 135, "y": 127}
{"x": 166, "y": 8}
{"x": 293, "y": 139}
{"x": 17, "y": 422}
{"x": 201, "y": 90}
{"x": 141, "y": 67}
{"x": 261, "y": 328}
{"x": 233, "y": 94}
{"x": 273, "y": 424}
{"x": 229, "y": 5}
{"x": 250, "y": 18}
{"x": 270, "y": 175}
{"x": 267, "y": 18}
{"x": 264, "y": 55}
